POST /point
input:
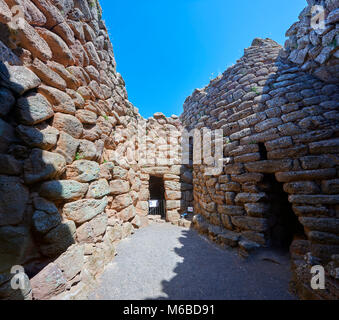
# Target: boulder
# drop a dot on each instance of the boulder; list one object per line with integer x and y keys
{"x": 119, "y": 187}
{"x": 41, "y": 136}
{"x": 60, "y": 101}
{"x": 33, "y": 109}
{"x": 98, "y": 189}
{"x": 59, "y": 239}
{"x": 83, "y": 171}
{"x": 63, "y": 190}
{"x": 17, "y": 78}
{"x": 67, "y": 146}
{"x": 14, "y": 198}
{"x": 84, "y": 210}
{"x": 69, "y": 124}
{"x": 44, "y": 222}
{"x": 48, "y": 283}
{"x": 90, "y": 231}
{"x": 71, "y": 262}
{"x": 43, "y": 165}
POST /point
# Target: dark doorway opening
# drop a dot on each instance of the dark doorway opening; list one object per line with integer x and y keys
{"x": 157, "y": 204}
{"x": 285, "y": 224}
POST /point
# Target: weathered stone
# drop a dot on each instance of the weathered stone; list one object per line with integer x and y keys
{"x": 305, "y": 175}
{"x": 119, "y": 187}
{"x": 61, "y": 53}
{"x": 7, "y": 101}
{"x": 41, "y": 136}
{"x": 15, "y": 242}
{"x": 306, "y": 187}
{"x": 60, "y": 101}
{"x": 44, "y": 222}
{"x": 83, "y": 171}
{"x": 43, "y": 165}
{"x": 327, "y": 146}
{"x": 231, "y": 210}
{"x": 29, "y": 38}
{"x": 48, "y": 283}
{"x": 260, "y": 210}
{"x": 9, "y": 165}
{"x": 67, "y": 146}
{"x": 251, "y": 197}
{"x": 47, "y": 75}
{"x": 121, "y": 202}
{"x": 330, "y": 186}
{"x": 314, "y": 199}
{"x": 84, "y": 210}
{"x": 59, "y": 239}
{"x": 87, "y": 150}
{"x": 13, "y": 200}
{"x": 250, "y": 223}
{"x": 127, "y": 214}
{"x": 330, "y": 225}
{"x": 228, "y": 238}
{"x": 269, "y": 166}
{"x": 90, "y": 231}
{"x": 33, "y": 109}
{"x": 98, "y": 189}
{"x": 71, "y": 262}
{"x": 63, "y": 190}
{"x": 68, "y": 124}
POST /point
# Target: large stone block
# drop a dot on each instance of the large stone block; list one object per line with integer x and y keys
{"x": 17, "y": 78}
{"x": 33, "y": 109}
{"x": 119, "y": 187}
{"x": 43, "y": 165}
{"x": 41, "y": 136}
{"x": 63, "y": 190}
{"x": 84, "y": 210}
{"x": 59, "y": 239}
{"x": 15, "y": 243}
{"x": 48, "y": 283}
{"x": 83, "y": 171}
{"x": 14, "y": 198}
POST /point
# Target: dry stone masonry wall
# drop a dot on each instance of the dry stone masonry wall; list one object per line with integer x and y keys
{"x": 64, "y": 200}
{"x": 77, "y": 158}
{"x": 280, "y": 183}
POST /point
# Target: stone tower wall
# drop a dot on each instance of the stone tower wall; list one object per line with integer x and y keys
{"x": 68, "y": 191}
{"x": 280, "y": 126}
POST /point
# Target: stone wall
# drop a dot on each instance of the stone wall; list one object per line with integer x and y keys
{"x": 280, "y": 126}
{"x": 68, "y": 191}
{"x": 316, "y": 49}
{"x": 76, "y": 156}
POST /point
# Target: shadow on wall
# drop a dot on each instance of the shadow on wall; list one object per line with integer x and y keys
{"x": 32, "y": 232}
{"x": 208, "y": 272}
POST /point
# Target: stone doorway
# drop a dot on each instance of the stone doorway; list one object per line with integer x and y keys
{"x": 157, "y": 205}
{"x": 285, "y": 226}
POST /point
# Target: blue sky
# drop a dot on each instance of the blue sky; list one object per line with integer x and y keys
{"x": 166, "y": 48}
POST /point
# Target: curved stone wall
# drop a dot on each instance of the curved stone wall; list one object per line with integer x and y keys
{"x": 280, "y": 125}
{"x": 65, "y": 116}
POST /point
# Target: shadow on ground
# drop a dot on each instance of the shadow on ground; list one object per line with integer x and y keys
{"x": 171, "y": 263}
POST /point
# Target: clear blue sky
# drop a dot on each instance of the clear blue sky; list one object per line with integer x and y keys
{"x": 166, "y": 48}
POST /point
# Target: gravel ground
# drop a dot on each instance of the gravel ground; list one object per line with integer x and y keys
{"x": 167, "y": 262}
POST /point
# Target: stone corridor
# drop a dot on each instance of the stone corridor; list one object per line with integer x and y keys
{"x": 163, "y": 261}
